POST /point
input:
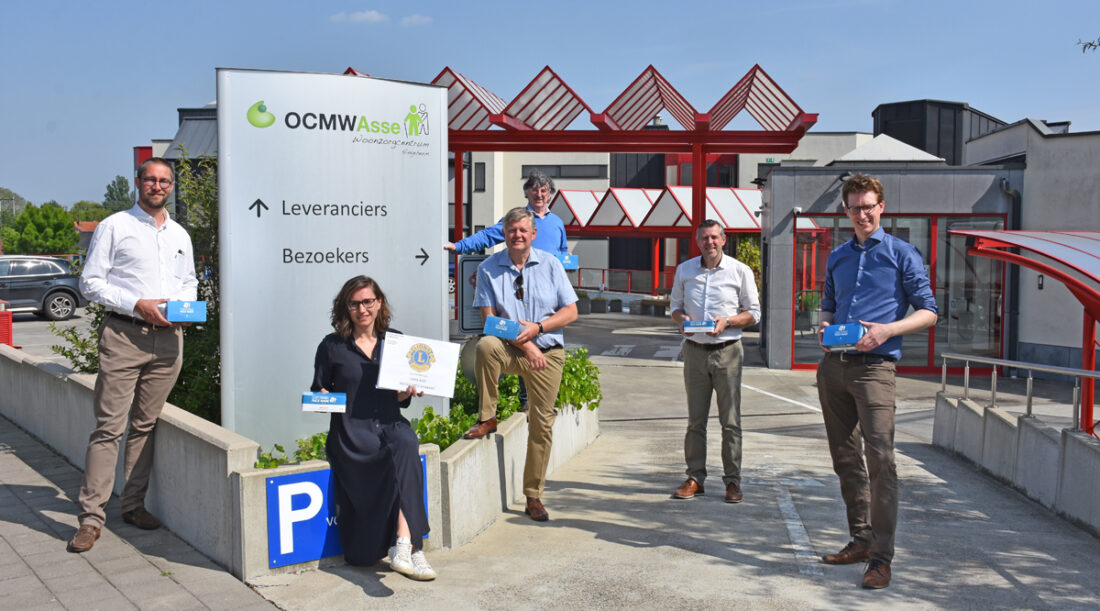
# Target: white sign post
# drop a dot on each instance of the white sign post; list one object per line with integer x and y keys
{"x": 321, "y": 178}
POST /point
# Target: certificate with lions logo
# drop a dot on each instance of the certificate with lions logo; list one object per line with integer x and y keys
{"x": 427, "y": 364}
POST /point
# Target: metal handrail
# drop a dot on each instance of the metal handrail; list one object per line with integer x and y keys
{"x": 1030, "y": 367}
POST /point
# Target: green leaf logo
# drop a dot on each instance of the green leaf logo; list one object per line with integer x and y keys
{"x": 258, "y": 115}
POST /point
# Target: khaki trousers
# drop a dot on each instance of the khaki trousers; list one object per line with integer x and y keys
{"x": 138, "y": 366}
{"x": 713, "y": 372}
{"x": 495, "y": 356}
{"x": 857, "y": 403}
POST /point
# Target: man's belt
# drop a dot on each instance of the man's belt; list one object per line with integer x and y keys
{"x": 865, "y": 358}
{"x": 134, "y": 321}
{"x": 717, "y": 346}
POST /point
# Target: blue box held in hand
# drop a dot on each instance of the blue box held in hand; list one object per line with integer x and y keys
{"x": 569, "y": 262}
{"x": 326, "y": 402}
{"x": 185, "y": 311}
{"x": 842, "y": 337}
{"x": 502, "y": 327}
{"x": 699, "y": 326}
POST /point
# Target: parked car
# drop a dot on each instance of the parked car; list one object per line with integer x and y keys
{"x": 46, "y": 286}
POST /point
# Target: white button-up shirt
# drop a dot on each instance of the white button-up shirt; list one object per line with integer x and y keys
{"x": 130, "y": 258}
{"x": 706, "y": 294}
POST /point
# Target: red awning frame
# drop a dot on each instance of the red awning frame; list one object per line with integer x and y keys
{"x": 536, "y": 119}
{"x": 1072, "y": 258}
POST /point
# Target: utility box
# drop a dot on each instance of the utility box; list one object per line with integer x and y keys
{"x": 5, "y": 324}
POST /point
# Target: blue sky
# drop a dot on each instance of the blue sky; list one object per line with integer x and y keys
{"x": 81, "y": 83}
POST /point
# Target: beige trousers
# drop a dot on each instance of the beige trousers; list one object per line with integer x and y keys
{"x": 495, "y": 356}
{"x": 138, "y": 366}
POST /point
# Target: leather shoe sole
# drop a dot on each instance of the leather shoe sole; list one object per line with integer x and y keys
{"x": 851, "y": 554}
{"x": 481, "y": 429}
{"x": 877, "y": 575}
{"x": 690, "y": 489}
{"x": 141, "y": 518}
{"x": 84, "y": 539}
{"x": 734, "y": 494}
{"x": 537, "y": 512}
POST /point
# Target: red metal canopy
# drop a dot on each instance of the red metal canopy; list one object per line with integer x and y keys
{"x": 1071, "y": 257}
{"x": 536, "y": 121}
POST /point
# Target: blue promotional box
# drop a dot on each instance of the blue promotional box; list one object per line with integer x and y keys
{"x": 502, "y": 327}
{"x": 842, "y": 337}
{"x": 326, "y": 402}
{"x": 698, "y": 326}
{"x": 185, "y": 311}
{"x": 569, "y": 262}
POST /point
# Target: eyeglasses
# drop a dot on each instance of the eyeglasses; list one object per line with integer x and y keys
{"x": 519, "y": 286}
{"x": 366, "y": 304}
{"x": 858, "y": 210}
{"x": 163, "y": 182}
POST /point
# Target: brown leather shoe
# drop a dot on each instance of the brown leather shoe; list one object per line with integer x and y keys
{"x": 877, "y": 575}
{"x": 733, "y": 493}
{"x": 84, "y": 538}
{"x": 688, "y": 490}
{"x": 141, "y": 518}
{"x": 481, "y": 429}
{"x": 852, "y": 553}
{"x": 536, "y": 510}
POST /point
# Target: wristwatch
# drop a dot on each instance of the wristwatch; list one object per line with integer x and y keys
{"x": 541, "y": 330}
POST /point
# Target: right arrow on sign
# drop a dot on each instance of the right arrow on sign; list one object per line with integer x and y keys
{"x": 423, "y": 256}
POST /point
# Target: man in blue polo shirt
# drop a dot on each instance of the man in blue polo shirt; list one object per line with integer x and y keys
{"x": 872, "y": 280}
{"x": 550, "y": 229}
{"x": 528, "y": 285}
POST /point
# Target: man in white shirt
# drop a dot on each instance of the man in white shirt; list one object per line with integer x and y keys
{"x": 137, "y": 260}
{"x": 713, "y": 287}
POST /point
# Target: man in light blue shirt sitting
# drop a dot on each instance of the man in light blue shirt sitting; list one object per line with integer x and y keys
{"x": 530, "y": 286}
{"x": 549, "y": 233}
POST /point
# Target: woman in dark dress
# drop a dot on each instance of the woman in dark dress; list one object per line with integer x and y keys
{"x": 373, "y": 451}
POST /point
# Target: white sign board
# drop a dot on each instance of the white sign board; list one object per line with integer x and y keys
{"x": 321, "y": 178}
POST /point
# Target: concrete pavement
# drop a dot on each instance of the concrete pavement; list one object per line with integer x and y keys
{"x": 615, "y": 537}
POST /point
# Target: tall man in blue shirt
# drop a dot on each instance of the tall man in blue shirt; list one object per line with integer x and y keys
{"x": 873, "y": 280}
{"x": 529, "y": 285}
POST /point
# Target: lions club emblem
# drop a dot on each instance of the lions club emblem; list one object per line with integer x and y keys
{"x": 420, "y": 357}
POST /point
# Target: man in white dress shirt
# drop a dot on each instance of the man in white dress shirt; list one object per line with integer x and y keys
{"x": 137, "y": 260}
{"x": 713, "y": 287}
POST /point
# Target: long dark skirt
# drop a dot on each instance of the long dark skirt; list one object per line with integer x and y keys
{"x": 376, "y": 468}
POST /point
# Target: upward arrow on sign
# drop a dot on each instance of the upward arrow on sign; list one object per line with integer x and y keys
{"x": 257, "y": 206}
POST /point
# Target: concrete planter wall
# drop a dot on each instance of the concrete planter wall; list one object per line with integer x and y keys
{"x": 205, "y": 489}
{"x": 482, "y": 477}
{"x": 190, "y": 488}
{"x": 1056, "y": 468}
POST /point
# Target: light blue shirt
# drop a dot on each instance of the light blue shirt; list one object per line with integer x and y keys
{"x": 546, "y": 290}
{"x": 549, "y": 236}
{"x": 876, "y": 282}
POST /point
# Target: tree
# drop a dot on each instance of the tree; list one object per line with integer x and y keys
{"x": 85, "y": 210}
{"x": 119, "y": 196}
{"x": 42, "y": 231}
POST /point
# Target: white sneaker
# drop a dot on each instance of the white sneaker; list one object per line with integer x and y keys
{"x": 401, "y": 559}
{"x": 422, "y": 571}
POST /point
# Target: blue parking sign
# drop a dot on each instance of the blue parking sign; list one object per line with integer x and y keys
{"x": 301, "y": 520}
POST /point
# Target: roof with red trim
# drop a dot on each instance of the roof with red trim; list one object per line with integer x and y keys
{"x": 548, "y": 103}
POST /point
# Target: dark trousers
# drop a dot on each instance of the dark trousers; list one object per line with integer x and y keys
{"x": 857, "y": 403}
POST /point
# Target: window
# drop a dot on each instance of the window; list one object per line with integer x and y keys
{"x": 479, "y": 176}
{"x": 568, "y": 171}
